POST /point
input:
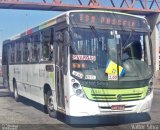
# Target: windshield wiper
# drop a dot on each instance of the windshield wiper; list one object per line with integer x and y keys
{"x": 126, "y": 45}
{"x": 94, "y": 31}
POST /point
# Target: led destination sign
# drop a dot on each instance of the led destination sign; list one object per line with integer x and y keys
{"x": 110, "y": 19}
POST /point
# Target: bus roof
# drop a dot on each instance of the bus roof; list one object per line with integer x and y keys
{"x": 60, "y": 18}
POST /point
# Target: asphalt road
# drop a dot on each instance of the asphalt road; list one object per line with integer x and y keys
{"x": 28, "y": 115}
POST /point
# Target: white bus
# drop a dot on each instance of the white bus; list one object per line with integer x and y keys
{"x": 83, "y": 63}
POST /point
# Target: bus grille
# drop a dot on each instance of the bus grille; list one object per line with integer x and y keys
{"x": 119, "y": 97}
{"x": 115, "y": 95}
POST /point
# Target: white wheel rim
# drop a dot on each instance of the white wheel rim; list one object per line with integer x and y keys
{"x": 50, "y": 104}
{"x": 15, "y": 93}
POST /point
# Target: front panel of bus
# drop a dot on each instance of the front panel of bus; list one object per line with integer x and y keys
{"x": 111, "y": 64}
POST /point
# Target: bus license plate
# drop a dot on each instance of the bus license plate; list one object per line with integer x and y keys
{"x": 118, "y": 107}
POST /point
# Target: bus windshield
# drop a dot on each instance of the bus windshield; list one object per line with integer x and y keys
{"x": 105, "y": 54}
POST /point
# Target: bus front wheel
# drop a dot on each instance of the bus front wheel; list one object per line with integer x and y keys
{"x": 50, "y": 105}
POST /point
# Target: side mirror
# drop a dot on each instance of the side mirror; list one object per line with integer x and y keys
{"x": 66, "y": 38}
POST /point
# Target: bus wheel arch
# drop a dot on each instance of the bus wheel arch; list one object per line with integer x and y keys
{"x": 48, "y": 100}
{"x": 15, "y": 90}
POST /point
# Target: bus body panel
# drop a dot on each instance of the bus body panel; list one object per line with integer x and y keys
{"x": 31, "y": 84}
{"x": 84, "y": 107}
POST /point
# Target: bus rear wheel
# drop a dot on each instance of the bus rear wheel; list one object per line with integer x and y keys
{"x": 50, "y": 105}
{"x": 16, "y": 95}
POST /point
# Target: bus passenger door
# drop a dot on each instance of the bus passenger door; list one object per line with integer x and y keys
{"x": 59, "y": 76}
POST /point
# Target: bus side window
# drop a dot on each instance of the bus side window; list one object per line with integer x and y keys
{"x": 45, "y": 51}
{"x": 47, "y": 45}
{"x": 12, "y": 53}
{"x": 51, "y": 51}
{"x": 4, "y": 55}
{"x": 35, "y": 48}
{"x": 39, "y": 47}
{"x": 25, "y": 51}
{"x": 18, "y": 52}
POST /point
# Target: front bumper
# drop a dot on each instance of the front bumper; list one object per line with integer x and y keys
{"x": 84, "y": 107}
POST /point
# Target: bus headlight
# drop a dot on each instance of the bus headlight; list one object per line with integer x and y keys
{"x": 77, "y": 89}
{"x": 78, "y": 92}
{"x": 76, "y": 85}
{"x": 150, "y": 87}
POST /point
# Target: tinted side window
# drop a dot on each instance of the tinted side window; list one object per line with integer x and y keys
{"x": 4, "y": 55}
{"x": 18, "y": 52}
{"x": 46, "y": 44}
{"x": 12, "y": 53}
{"x": 26, "y": 50}
{"x": 35, "y": 48}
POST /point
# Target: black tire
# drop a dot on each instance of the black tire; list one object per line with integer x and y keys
{"x": 49, "y": 104}
{"x": 45, "y": 109}
{"x": 15, "y": 93}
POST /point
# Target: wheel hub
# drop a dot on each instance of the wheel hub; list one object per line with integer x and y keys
{"x": 15, "y": 93}
{"x": 50, "y": 103}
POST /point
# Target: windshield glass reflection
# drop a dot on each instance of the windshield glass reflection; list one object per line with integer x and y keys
{"x": 99, "y": 54}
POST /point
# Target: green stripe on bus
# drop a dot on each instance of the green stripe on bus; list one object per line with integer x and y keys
{"x": 52, "y": 78}
{"x": 97, "y": 94}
